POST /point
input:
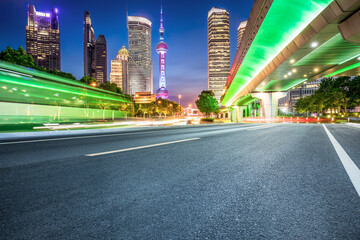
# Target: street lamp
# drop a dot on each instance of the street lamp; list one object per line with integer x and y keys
{"x": 93, "y": 84}
{"x": 179, "y": 99}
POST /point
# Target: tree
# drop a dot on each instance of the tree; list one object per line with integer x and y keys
{"x": 207, "y": 103}
{"x": 89, "y": 81}
{"x": 20, "y": 57}
{"x": 112, "y": 87}
{"x": 62, "y": 74}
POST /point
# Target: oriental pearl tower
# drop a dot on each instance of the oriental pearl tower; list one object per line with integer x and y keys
{"x": 162, "y": 49}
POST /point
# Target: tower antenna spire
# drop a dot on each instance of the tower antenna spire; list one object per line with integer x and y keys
{"x": 161, "y": 24}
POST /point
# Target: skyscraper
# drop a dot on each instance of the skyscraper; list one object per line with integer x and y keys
{"x": 95, "y": 52}
{"x": 89, "y": 46}
{"x": 119, "y": 70}
{"x": 240, "y": 33}
{"x": 100, "y": 59}
{"x": 140, "y": 64}
{"x": 218, "y": 50}
{"x": 162, "y": 49}
{"x": 43, "y": 38}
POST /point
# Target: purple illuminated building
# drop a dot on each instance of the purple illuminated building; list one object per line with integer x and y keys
{"x": 43, "y": 38}
{"x": 162, "y": 49}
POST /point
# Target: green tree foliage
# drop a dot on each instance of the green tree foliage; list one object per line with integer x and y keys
{"x": 161, "y": 107}
{"x": 207, "y": 103}
{"x": 62, "y": 74}
{"x": 20, "y": 57}
{"x": 333, "y": 93}
{"x": 88, "y": 80}
{"x": 112, "y": 87}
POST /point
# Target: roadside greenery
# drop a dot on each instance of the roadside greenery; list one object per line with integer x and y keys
{"x": 160, "y": 108}
{"x": 207, "y": 103}
{"x": 334, "y": 94}
{"x": 20, "y": 57}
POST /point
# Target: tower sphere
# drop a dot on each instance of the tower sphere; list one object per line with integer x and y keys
{"x": 162, "y": 47}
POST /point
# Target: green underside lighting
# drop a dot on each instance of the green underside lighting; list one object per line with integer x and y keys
{"x": 334, "y": 51}
{"x": 245, "y": 100}
{"x": 53, "y": 79}
{"x": 281, "y": 85}
{"x": 284, "y": 21}
{"x": 344, "y": 69}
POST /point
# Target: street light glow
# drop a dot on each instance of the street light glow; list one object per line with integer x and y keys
{"x": 314, "y": 44}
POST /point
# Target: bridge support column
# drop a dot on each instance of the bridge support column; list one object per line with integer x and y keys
{"x": 237, "y": 114}
{"x": 269, "y": 103}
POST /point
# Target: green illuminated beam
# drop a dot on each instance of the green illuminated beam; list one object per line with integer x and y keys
{"x": 245, "y": 100}
{"x": 281, "y": 85}
{"x": 77, "y": 91}
{"x": 31, "y": 73}
{"x": 284, "y": 21}
{"x": 334, "y": 51}
{"x": 344, "y": 69}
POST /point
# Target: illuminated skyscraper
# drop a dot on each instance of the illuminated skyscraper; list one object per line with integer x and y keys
{"x": 119, "y": 70}
{"x": 162, "y": 49}
{"x": 218, "y": 50}
{"x": 43, "y": 38}
{"x": 95, "y": 59}
{"x": 140, "y": 64}
{"x": 240, "y": 33}
{"x": 89, "y": 46}
{"x": 100, "y": 59}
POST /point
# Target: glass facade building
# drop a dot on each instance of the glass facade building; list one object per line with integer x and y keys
{"x": 43, "y": 38}
{"x": 140, "y": 64}
{"x": 95, "y": 52}
{"x": 218, "y": 50}
{"x": 119, "y": 70}
{"x": 89, "y": 46}
{"x": 101, "y": 59}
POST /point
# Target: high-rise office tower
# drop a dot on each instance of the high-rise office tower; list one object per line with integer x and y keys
{"x": 43, "y": 38}
{"x": 100, "y": 59}
{"x": 119, "y": 70}
{"x": 89, "y": 46}
{"x": 240, "y": 32}
{"x": 140, "y": 64}
{"x": 162, "y": 49}
{"x": 218, "y": 50}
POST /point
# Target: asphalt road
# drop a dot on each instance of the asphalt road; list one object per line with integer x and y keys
{"x": 276, "y": 181}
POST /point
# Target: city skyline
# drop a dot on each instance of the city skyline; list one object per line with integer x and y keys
{"x": 186, "y": 34}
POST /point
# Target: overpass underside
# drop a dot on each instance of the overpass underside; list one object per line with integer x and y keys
{"x": 288, "y": 43}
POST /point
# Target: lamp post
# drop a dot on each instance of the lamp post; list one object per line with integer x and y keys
{"x": 179, "y": 99}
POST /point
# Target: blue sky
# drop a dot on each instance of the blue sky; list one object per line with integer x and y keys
{"x": 185, "y": 25}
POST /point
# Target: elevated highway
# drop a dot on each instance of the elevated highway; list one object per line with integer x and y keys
{"x": 288, "y": 43}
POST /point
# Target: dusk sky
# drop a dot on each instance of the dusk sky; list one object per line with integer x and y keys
{"x": 185, "y": 25}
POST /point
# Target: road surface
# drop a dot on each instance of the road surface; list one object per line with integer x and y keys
{"x": 255, "y": 181}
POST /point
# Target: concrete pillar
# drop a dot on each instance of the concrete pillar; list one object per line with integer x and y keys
{"x": 269, "y": 103}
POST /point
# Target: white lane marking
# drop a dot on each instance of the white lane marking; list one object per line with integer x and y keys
{"x": 102, "y": 135}
{"x": 141, "y": 147}
{"x": 351, "y": 169}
